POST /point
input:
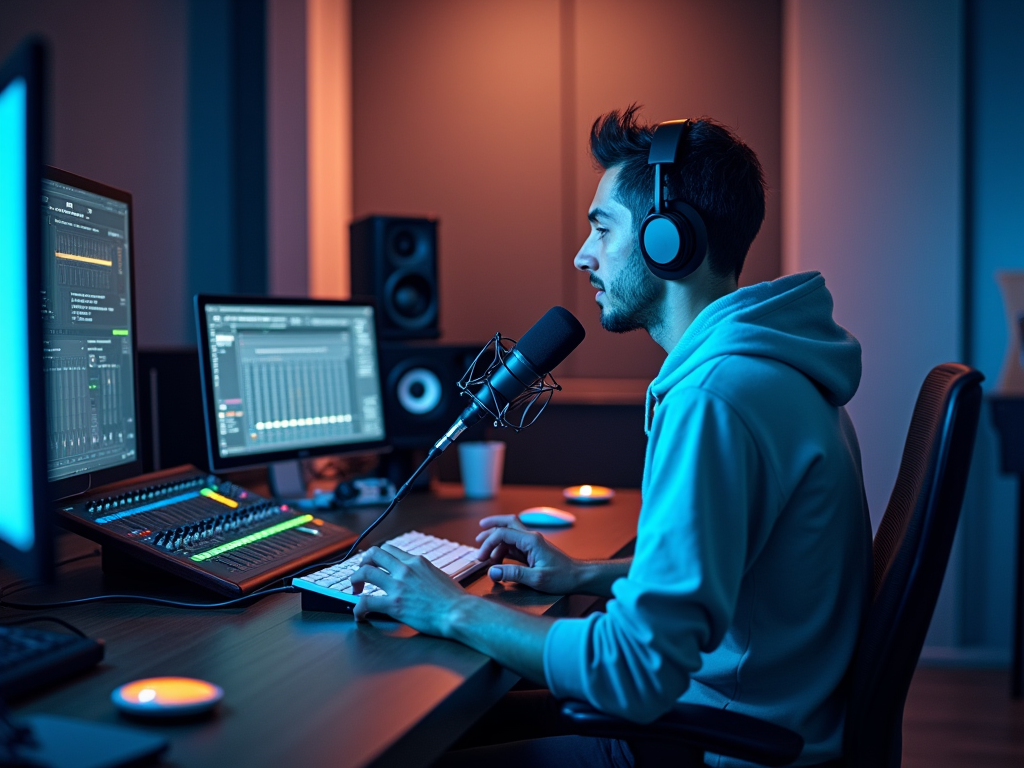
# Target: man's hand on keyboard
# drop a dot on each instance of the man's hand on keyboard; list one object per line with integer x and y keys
{"x": 417, "y": 592}
{"x": 544, "y": 567}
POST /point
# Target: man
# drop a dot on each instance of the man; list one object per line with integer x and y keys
{"x": 752, "y": 563}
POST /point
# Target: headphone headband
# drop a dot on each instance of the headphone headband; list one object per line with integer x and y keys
{"x": 673, "y": 238}
{"x": 666, "y": 141}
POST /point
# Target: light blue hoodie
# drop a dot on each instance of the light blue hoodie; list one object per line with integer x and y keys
{"x": 753, "y": 553}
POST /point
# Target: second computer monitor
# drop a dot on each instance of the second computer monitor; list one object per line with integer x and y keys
{"x": 89, "y": 333}
{"x": 288, "y": 378}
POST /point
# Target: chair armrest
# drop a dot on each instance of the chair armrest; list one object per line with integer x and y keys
{"x": 719, "y": 731}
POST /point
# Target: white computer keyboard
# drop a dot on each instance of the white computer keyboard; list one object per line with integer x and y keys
{"x": 457, "y": 560}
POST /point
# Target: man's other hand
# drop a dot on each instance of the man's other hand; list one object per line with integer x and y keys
{"x": 543, "y": 566}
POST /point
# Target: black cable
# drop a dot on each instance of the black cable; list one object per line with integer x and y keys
{"x": 401, "y": 494}
{"x": 54, "y": 619}
{"x": 144, "y": 599}
{"x": 23, "y": 584}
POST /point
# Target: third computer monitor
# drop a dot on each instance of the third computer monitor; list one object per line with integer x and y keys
{"x": 288, "y": 378}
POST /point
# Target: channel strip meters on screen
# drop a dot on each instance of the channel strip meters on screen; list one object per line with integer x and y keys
{"x": 288, "y": 378}
{"x": 88, "y": 333}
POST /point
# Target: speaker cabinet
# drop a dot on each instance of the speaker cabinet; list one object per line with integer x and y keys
{"x": 171, "y": 425}
{"x": 395, "y": 260}
{"x": 420, "y": 392}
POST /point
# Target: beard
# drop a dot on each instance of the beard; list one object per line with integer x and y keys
{"x": 633, "y": 300}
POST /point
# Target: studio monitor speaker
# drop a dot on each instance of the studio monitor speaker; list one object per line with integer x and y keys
{"x": 420, "y": 392}
{"x": 395, "y": 260}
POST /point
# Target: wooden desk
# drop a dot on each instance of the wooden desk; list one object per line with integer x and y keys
{"x": 316, "y": 689}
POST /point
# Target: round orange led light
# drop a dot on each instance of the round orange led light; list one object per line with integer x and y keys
{"x": 167, "y": 696}
{"x": 588, "y": 494}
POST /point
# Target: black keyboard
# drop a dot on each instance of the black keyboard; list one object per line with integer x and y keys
{"x": 31, "y": 658}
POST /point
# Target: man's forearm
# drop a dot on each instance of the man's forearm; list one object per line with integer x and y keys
{"x": 597, "y": 576}
{"x": 512, "y": 638}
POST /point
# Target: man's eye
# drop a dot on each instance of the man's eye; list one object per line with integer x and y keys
{"x": 601, "y": 232}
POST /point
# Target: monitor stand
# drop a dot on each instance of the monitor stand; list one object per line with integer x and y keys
{"x": 287, "y": 480}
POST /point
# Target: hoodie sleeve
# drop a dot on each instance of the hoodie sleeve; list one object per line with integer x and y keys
{"x": 704, "y": 478}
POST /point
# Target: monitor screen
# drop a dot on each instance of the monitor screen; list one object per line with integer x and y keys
{"x": 24, "y": 517}
{"x": 288, "y": 378}
{"x": 88, "y": 331}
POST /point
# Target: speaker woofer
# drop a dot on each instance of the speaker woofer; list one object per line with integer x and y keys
{"x": 410, "y": 300}
{"x": 421, "y": 394}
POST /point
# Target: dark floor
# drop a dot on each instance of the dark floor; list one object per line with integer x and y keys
{"x": 963, "y": 718}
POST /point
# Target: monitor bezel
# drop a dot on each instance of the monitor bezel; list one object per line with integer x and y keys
{"x": 82, "y": 483}
{"x": 29, "y": 62}
{"x": 219, "y": 463}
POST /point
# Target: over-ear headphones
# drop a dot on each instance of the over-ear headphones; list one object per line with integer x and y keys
{"x": 673, "y": 238}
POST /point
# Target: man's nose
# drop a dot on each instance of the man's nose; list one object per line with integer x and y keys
{"x": 585, "y": 261}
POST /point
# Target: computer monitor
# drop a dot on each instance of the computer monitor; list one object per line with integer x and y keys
{"x": 88, "y": 333}
{"x": 288, "y": 378}
{"x": 25, "y": 534}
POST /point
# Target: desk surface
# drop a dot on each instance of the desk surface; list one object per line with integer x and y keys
{"x": 317, "y": 689}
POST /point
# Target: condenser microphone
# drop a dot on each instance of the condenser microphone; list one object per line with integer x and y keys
{"x": 541, "y": 349}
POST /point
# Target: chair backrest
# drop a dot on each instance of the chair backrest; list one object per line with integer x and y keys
{"x": 910, "y": 552}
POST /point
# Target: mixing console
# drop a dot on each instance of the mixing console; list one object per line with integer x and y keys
{"x": 203, "y": 528}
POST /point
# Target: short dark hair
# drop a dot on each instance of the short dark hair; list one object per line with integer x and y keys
{"x": 719, "y": 176}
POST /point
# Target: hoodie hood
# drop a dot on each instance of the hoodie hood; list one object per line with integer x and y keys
{"x": 789, "y": 320}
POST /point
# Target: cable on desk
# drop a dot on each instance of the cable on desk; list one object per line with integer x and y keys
{"x": 54, "y": 619}
{"x": 23, "y": 584}
{"x": 144, "y": 599}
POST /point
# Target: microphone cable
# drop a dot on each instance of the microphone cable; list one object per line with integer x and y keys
{"x": 399, "y": 495}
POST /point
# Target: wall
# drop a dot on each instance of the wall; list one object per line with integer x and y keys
{"x": 477, "y": 113}
{"x": 119, "y": 116}
{"x": 287, "y": 189}
{"x": 873, "y": 197}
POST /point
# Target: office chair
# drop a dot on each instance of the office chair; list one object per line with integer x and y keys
{"x": 909, "y": 554}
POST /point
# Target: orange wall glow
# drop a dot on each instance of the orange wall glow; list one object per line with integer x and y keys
{"x": 329, "y": 159}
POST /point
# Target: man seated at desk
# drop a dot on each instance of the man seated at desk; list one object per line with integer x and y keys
{"x": 753, "y": 553}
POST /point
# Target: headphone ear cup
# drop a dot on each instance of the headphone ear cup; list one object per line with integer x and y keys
{"x": 674, "y": 242}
